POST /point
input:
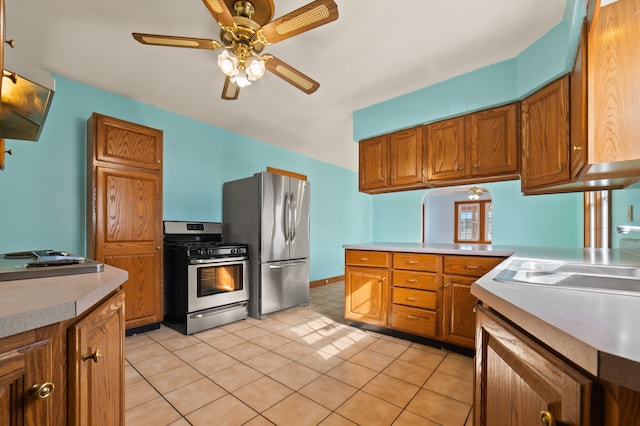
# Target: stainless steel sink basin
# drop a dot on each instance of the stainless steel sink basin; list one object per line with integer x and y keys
{"x": 606, "y": 278}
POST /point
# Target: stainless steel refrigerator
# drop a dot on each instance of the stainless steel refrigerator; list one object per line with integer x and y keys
{"x": 270, "y": 213}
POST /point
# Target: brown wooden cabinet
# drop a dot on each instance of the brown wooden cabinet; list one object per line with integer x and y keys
{"x": 54, "y": 375}
{"x": 367, "y": 286}
{"x": 373, "y": 164}
{"x": 517, "y": 380}
{"x": 494, "y": 142}
{"x": 393, "y": 161}
{"x": 477, "y": 147}
{"x": 424, "y": 294}
{"x": 545, "y": 136}
{"x": 96, "y": 367}
{"x": 458, "y": 304}
{"x": 124, "y": 184}
{"x": 415, "y": 293}
{"x": 446, "y": 150}
{"x": 27, "y": 381}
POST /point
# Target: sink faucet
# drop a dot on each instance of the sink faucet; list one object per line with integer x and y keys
{"x": 625, "y": 229}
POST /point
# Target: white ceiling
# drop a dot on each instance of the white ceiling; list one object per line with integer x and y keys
{"x": 376, "y": 50}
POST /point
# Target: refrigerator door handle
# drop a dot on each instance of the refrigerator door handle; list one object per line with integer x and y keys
{"x": 285, "y": 218}
{"x": 294, "y": 217}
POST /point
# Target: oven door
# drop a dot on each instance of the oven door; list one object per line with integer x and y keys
{"x": 216, "y": 282}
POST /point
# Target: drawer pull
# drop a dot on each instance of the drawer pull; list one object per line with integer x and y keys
{"x": 42, "y": 391}
{"x": 412, "y": 262}
{"x": 547, "y": 419}
{"x": 472, "y": 266}
{"x": 413, "y": 299}
{"x": 412, "y": 280}
{"x": 96, "y": 356}
{"x": 413, "y": 317}
{"x": 364, "y": 258}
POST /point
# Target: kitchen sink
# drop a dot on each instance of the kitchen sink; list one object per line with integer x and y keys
{"x": 606, "y": 278}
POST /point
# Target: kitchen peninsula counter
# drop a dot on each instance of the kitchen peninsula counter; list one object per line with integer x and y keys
{"x": 595, "y": 330}
{"x": 32, "y": 303}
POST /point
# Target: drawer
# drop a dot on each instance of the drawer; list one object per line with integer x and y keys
{"x": 414, "y": 321}
{"x": 367, "y": 258}
{"x": 418, "y": 280}
{"x": 415, "y": 298}
{"x": 475, "y": 266}
{"x": 415, "y": 261}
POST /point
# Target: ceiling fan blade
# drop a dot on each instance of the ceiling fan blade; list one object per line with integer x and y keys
{"x": 313, "y": 15}
{"x": 174, "y": 41}
{"x": 220, "y": 12}
{"x": 290, "y": 74}
{"x": 230, "y": 91}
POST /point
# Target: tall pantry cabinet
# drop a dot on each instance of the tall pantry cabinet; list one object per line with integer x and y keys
{"x": 124, "y": 210}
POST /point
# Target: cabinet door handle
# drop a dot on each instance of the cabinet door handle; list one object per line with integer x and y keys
{"x": 446, "y": 284}
{"x": 577, "y": 148}
{"x": 547, "y": 420}
{"x": 476, "y": 166}
{"x": 42, "y": 390}
{"x": 561, "y": 168}
{"x": 459, "y": 168}
{"x": 96, "y": 356}
{"x": 383, "y": 279}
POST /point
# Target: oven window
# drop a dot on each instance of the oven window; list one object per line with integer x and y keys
{"x": 219, "y": 279}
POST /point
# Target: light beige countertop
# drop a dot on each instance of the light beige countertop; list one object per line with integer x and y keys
{"x": 597, "y": 330}
{"x": 33, "y": 303}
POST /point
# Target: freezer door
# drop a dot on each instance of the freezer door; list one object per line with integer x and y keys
{"x": 284, "y": 285}
{"x": 274, "y": 218}
{"x": 298, "y": 219}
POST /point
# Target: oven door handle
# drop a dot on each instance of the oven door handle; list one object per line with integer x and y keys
{"x": 226, "y": 261}
{"x": 287, "y": 265}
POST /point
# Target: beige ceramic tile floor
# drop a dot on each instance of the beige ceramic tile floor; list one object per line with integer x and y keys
{"x": 299, "y": 367}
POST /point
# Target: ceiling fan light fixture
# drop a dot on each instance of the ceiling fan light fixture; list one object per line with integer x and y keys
{"x": 475, "y": 193}
{"x": 228, "y": 63}
{"x": 254, "y": 67}
{"x": 241, "y": 79}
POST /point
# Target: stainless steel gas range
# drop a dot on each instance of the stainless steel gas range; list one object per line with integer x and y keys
{"x": 205, "y": 280}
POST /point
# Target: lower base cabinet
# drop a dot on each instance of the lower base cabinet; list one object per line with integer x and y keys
{"x": 424, "y": 294}
{"x": 96, "y": 365}
{"x": 519, "y": 382}
{"x": 69, "y": 373}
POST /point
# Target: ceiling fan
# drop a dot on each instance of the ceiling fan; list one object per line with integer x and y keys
{"x": 473, "y": 193}
{"x": 244, "y": 36}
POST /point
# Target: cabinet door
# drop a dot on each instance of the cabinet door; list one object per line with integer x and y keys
{"x": 494, "y": 141}
{"x": 26, "y": 385}
{"x": 446, "y": 149}
{"x": 124, "y": 143}
{"x": 517, "y": 379}
{"x": 128, "y": 237}
{"x": 124, "y": 220}
{"x": 406, "y": 157}
{"x": 373, "y": 163}
{"x": 96, "y": 366}
{"x": 367, "y": 295}
{"x": 459, "y": 318}
{"x": 545, "y": 136}
{"x": 579, "y": 102}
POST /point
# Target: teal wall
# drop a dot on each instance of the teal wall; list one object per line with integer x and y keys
{"x": 547, "y": 220}
{"x": 42, "y": 189}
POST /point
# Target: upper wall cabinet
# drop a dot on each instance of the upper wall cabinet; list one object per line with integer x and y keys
{"x": 477, "y": 147}
{"x": 603, "y": 146}
{"x": 392, "y": 162}
{"x": 545, "y": 136}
